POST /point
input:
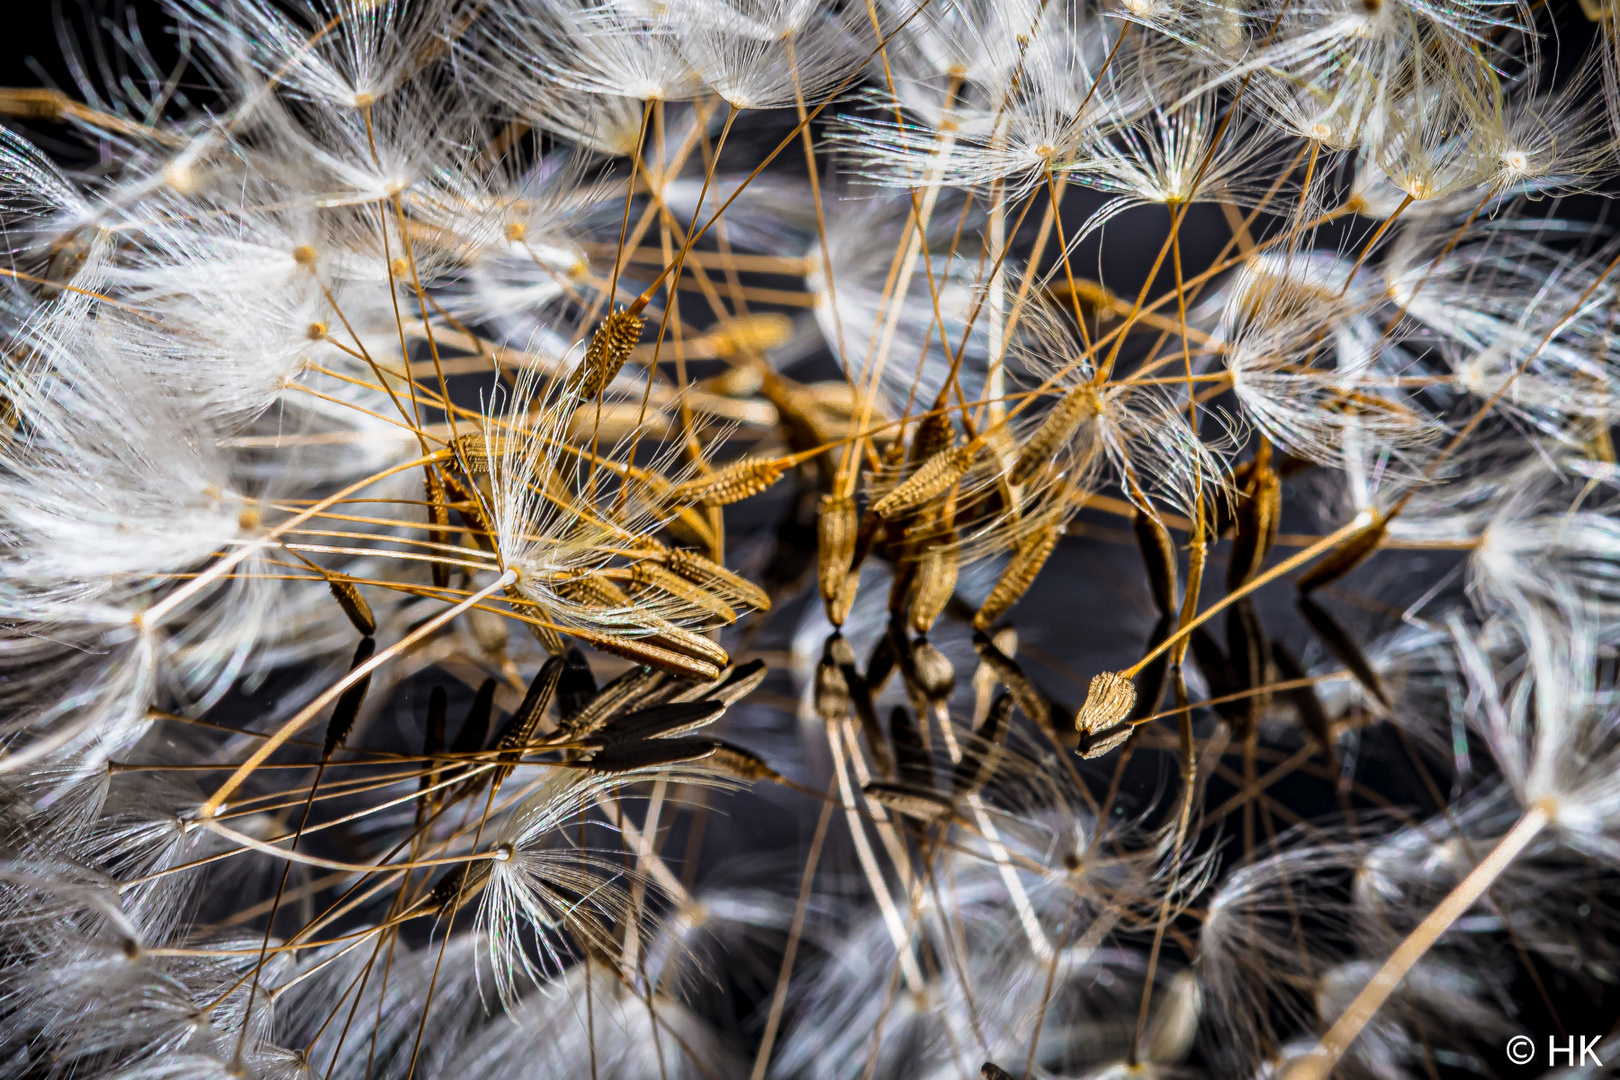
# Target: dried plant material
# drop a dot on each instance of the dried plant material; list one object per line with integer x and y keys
{"x": 1074, "y": 408}
{"x": 1351, "y": 553}
{"x": 65, "y": 258}
{"x": 836, "y": 526}
{"x": 738, "y": 683}
{"x": 1308, "y": 710}
{"x": 620, "y": 695}
{"x": 650, "y": 575}
{"x": 1108, "y": 703}
{"x": 1154, "y": 677}
{"x": 354, "y": 606}
{"x": 456, "y": 889}
{"x": 518, "y": 733}
{"x": 347, "y": 709}
{"x": 991, "y": 1071}
{"x": 1343, "y": 647}
{"x": 1020, "y": 574}
{"x": 433, "y": 736}
{"x": 933, "y": 477}
{"x": 1159, "y": 555}
{"x": 1249, "y": 661}
{"x": 934, "y": 582}
{"x": 1259, "y": 507}
{"x": 474, "y": 730}
{"x": 610, "y": 347}
{"x": 708, "y": 574}
{"x": 839, "y": 607}
{"x": 731, "y": 483}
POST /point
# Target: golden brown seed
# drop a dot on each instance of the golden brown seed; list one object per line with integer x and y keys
{"x": 645, "y": 652}
{"x": 717, "y": 579}
{"x": 456, "y": 888}
{"x": 838, "y": 610}
{"x": 594, "y": 592}
{"x": 1347, "y": 556}
{"x": 696, "y": 645}
{"x": 547, "y": 636}
{"x": 652, "y": 576}
{"x": 33, "y": 104}
{"x": 1020, "y": 574}
{"x": 934, "y": 433}
{"x": 1073, "y": 409}
{"x": 354, "y": 605}
{"x": 734, "y": 483}
{"x": 438, "y": 515}
{"x": 934, "y": 583}
{"x": 610, "y": 347}
{"x": 473, "y": 452}
{"x": 836, "y": 527}
{"x": 931, "y": 478}
{"x": 1108, "y": 703}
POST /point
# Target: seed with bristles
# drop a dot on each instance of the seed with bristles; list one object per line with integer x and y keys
{"x": 1020, "y": 574}
{"x": 734, "y": 483}
{"x": 716, "y": 579}
{"x": 354, "y": 605}
{"x": 652, "y": 576}
{"x": 67, "y": 257}
{"x": 932, "y": 477}
{"x": 934, "y": 583}
{"x": 1108, "y": 703}
{"x": 645, "y": 652}
{"x": 546, "y": 635}
{"x": 610, "y": 347}
{"x": 1259, "y": 508}
{"x": 836, "y": 526}
{"x": 594, "y": 591}
{"x": 934, "y": 433}
{"x": 438, "y": 515}
{"x": 1073, "y": 409}
{"x": 473, "y": 452}
{"x": 682, "y": 640}
{"x": 1006, "y": 671}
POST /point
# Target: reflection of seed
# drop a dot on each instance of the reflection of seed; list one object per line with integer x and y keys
{"x": 518, "y": 732}
{"x": 1259, "y": 506}
{"x": 743, "y": 764}
{"x": 983, "y": 753}
{"x": 465, "y": 881}
{"x": 935, "y": 675}
{"x": 1307, "y": 705}
{"x": 924, "y": 804}
{"x": 348, "y": 705}
{"x": 1343, "y": 647}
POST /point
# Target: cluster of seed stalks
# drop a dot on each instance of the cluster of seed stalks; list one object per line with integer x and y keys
{"x": 704, "y": 417}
